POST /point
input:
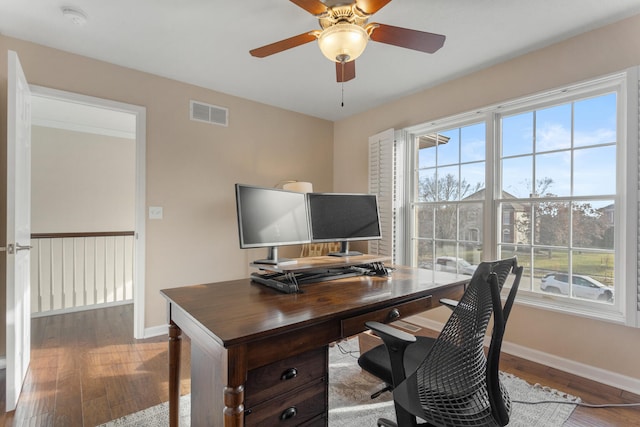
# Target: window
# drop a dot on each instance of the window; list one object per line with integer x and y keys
{"x": 552, "y": 179}
{"x": 558, "y": 169}
{"x": 448, "y": 196}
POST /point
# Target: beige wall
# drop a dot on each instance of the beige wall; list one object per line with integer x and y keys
{"x": 609, "y": 49}
{"x": 81, "y": 182}
{"x": 191, "y": 166}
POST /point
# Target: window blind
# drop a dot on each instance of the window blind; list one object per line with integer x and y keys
{"x": 382, "y": 177}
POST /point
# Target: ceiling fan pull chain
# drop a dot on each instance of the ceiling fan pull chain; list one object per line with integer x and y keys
{"x": 342, "y": 85}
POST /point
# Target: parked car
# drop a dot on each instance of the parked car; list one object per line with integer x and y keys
{"x": 583, "y": 286}
{"x": 454, "y": 265}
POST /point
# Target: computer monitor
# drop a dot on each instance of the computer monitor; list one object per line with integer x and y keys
{"x": 344, "y": 218}
{"x": 270, "y": 217}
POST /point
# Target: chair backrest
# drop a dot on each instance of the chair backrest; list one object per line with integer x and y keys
{"x": 498, "y": 397}
{"x": 453, "y": 381}
{"x": 502, "y": 268}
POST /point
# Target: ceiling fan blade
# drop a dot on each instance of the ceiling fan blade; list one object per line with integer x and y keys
{"x": 371, "y": 6}
{"x": 285, "y": 44}
{"x": 314, "y": 7}
{"x": 345, "y": 71}
{"x": 410, "y": 39}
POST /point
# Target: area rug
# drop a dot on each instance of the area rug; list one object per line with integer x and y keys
{"x": 350, "y": 404}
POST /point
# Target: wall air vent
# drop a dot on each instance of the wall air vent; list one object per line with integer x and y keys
{"x": 201, "y": 112}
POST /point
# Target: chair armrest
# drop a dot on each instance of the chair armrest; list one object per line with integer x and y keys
{"x": 391, "y": 336}
{"x": 449, "y": 303}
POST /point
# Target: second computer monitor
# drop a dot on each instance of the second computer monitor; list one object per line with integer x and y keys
{"x": 343, "y": 217}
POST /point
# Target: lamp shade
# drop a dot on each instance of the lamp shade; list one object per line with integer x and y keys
{"x": 299, "y": 186}
{"x": 343, "y": 42}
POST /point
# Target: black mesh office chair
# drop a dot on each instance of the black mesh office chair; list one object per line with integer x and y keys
{"x": 448, "y": 381}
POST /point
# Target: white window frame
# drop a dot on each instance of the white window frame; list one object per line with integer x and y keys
{"x": 626, "y": 307}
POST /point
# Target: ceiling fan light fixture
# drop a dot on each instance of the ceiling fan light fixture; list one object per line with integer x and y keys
{"x": 343, "y": 42}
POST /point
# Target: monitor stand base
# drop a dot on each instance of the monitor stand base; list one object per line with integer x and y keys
{"x": 273, "y": 258}
{"x": 279, "y": 261}
{"x": 344, "y": 251}
{"x": 343, "y": 254}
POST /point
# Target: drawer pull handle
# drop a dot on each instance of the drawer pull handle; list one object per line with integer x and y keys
{"x": 289, "y": 374}
{"x": 394, "y": 314}
{"x": 288, "y": 413}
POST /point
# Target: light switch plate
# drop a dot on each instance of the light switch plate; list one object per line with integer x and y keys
{"x": 155, "y": 212}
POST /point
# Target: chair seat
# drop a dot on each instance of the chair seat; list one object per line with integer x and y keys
{"x": 472, "y": 411}
{"x": 376, "y": 361}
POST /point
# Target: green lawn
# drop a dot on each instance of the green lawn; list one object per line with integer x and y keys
{"x": 597, "y": 265}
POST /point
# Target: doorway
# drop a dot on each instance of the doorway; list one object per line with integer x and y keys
{"x": 60, "y": 111}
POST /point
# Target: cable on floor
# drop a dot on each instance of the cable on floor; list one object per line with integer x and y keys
{"x": 588, "y": 405}
{"x": 353, "y": 353}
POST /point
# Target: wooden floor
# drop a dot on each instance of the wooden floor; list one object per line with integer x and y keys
{"x": 86, "y": 369}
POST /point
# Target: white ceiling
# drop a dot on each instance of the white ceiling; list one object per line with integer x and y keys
{"x": 207, "y": 43}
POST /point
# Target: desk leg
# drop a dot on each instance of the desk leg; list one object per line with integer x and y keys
{"x": 175, "y": 341}
{"x": 234, "y": 391}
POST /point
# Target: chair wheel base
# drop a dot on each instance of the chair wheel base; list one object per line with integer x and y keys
{"x": 379, "y": 392}
{"x": 383, "y": 422}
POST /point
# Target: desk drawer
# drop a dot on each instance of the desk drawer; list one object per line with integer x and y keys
{"x": 292, "y": 409}
{"x": 355, "y": 325}
{"x": 278, "y": 378}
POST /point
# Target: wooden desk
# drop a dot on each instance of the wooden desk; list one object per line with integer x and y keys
{"x": 257, "y": 353}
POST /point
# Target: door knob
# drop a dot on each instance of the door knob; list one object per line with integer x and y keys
{"x": 11, "y": 249}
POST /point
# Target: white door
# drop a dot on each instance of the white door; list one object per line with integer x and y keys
{"x": 18, "y": 230}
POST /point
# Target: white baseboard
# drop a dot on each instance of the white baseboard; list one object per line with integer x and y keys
{"x": 155, "y": 331}
{"x": 593, "y": 373}
{"x": 80, "y": 308}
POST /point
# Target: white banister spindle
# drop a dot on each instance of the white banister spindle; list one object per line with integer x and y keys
{"x": 95, "y": 270}
{"x": 51, "y": 274}
{"x": 39, "y": 275}
{"x": 62, "y": 272}
{"x": 115, "y": 274}
{"x": 73, "y": 278}
{"x": 124, "y": 267}
{"x": 85, "y": 279}
{"x": 104, "y": 282}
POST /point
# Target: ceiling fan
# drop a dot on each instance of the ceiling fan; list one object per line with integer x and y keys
{"x": 345, "y": 32}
